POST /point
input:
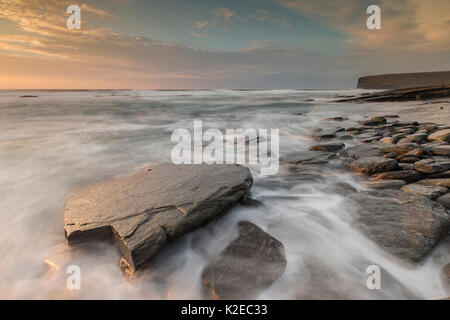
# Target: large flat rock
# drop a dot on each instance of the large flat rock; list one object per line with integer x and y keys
{"x": 247, "y": 266}
{"x": 402, "y": 223}
{"x": 147, "y": 210}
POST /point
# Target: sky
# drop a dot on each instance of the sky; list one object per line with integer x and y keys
{"x": 212, "y": 44}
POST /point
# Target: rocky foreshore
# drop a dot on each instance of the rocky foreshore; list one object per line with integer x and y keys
{"x": 403, "y": 169}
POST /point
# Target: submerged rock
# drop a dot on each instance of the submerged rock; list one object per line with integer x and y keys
{"x": 384, "y": 184}
{"x": 247, "y": 266}
{"x": 308, "y": 157}
{"x": 403, "y": 224}
{"x": 329, "y": 146}
{"x": 372, "y": 165}
{"x": 146, "y": 211}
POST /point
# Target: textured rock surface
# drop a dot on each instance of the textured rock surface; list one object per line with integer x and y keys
{"x": 443, "y": 150}
{"x": 361, "y": 151}
{"x": 441, "y": 135}
{"x": 426, "y": 190}
{"x": 403, "y": 224}
{"x": 308, "y": 157}
{"x": 384, "y": 184}
{"x": 432, "y": 165}
{"x": 405, "y": 175}
{"x": 437, "y": 182}
{"x": 149, "y": 209}
{"x": 372, "y": 165}
{"x": 444, "y": 200}
{"x": 330, "y": 146}
{"x": 247, "y": 266}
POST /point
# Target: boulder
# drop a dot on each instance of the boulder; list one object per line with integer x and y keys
{"x": 444, "y": 200}
{"x": 405, "y": 175}
{"x": 308, "y": 157}
{"x": 440, "y": 135}
{"x": 373, "y": 165}
{"x": 329, "y": 146}
{"x": 399, "y": 148}
{"x": 247, "y": 266}
{"x": 147, "y": 210}
{"x": 429, "y": 191}
{"x": 432, "y": 165}
{"x": 403, "y": 224}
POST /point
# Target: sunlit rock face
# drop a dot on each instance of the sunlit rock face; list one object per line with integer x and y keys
{"x": 146, "y": 211}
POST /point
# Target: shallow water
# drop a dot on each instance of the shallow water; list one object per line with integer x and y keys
{"x": 62, "y": 141}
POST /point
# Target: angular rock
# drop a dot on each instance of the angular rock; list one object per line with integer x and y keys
{"x": 432, "y": 165}
{"x": 362, "y": 150}
{"x": 308, "y": 157}
{"x": 247, "y": 266}
{"x": 329, "y": 146}
{"x": 441, "y": 135}
{"x": 429, "y": 191}
{"x": 373, "y": 165}
{"x": 405, "y": 158}
{"x": 444, "y": 182}
{"x": 444, "y": 200}
{"x": 404, "y": 224}
{"x": 146, "y": 211}
{"x": 384, "y": 184}
{"x": 404, "y": 175}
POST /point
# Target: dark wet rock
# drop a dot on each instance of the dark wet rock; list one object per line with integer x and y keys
{"x": 384, "y": 184}
{"x": 406, "y": 166}
{"x": 329, "y": 146}
{"x": 444, "y": 200}
{"x": 441, "y": 135}
{"x": 28, "y": 96}
{"x": 440, "y": 175}
{"x": 399, "y": 148}
{"x": 407, "y": 158}
{"x": 369, "y": 123}
{"x": 432, "y": 165}
{"x": 429, "y": 191}
{"x": 308, "y": 157}
{"x": 326, "y": 134}
{"x": 362, "y": 150}
{"x": 373, "y": 165}
{"x": 402, "y": 223}
{"x": 391, "y": 155}
{"x": 442, "y": 150}
{"x": 345, "y": 137}
{"x": 405, "y": 175}
{"x": 391, "y": 116}
{"x": 146, "y": 211}
{"x": 250, "y": 202}
{"x": 444, "y": 182}
{"x": 335, "y": 119}
{"x": 247, "y": 266}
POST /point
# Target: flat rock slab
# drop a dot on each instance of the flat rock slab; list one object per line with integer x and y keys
{"x": 405, "y": 175}
{"x": 308, "y": 157}
{"x": 247, "y": 266}
{"x": 438, "y": 182}
{"x": 373, "y": 165}
{"x": 443, "y": 150}
{"x": 440, "y": 135}
{"x": 384, "y": 184}
{"x": 149, "y": 209}
{"x": 429, "y": 191}
{"x": 399, "y": 148}
{"x": 402, "y": 223}
{"x": 444, "y": 200}
{"x": 330, "y": 147}
{"x": 432, "y": 165}
{"x": 361, "y": 151}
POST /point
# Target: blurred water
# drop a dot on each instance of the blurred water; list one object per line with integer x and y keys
{"x": 64, "y": 140}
